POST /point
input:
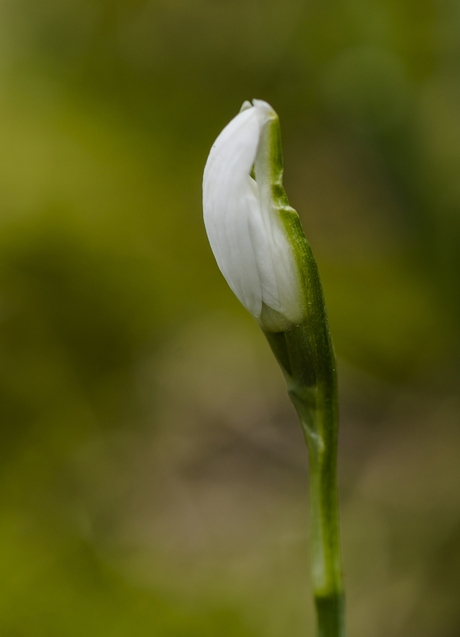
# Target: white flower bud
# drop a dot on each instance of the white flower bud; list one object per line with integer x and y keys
{"x": 244, "y": 221}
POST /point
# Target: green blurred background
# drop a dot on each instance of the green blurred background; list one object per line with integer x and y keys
{"x": 153, "y": 477}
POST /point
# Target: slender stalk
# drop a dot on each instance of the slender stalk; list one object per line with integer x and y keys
{"x": 324, "y": 512}
{"x": 306, "y": 356}
{"x": 320, "y": 415}
{"x": 325, "y": 545}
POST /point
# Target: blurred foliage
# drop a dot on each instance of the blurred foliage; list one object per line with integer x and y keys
{"x": 152, "y": 477}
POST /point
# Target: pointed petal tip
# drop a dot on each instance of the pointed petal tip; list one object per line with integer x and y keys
{"x": 265, "y": 107}
{"x": 245, "y": 105}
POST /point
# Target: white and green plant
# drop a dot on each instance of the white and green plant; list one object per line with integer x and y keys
{"x": 261, "y": 249}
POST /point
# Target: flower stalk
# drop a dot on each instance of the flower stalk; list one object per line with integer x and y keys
{"x": 306, "y": 357}
{"x": 262, "y": 251}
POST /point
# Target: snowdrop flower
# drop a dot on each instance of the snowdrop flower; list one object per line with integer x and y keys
{"x": 253, "y": 232}
{"x": 262, "y": 251}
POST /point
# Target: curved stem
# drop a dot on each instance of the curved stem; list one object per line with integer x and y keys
{"x": 306, "y": 356}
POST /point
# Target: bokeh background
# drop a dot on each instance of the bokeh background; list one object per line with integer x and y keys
{"x": 153, "y": 477}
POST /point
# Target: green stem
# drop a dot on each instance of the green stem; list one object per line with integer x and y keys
{"x": 306, "y": 356}
{"x": 324, "y": 512}
{"x": 325, "y": 539}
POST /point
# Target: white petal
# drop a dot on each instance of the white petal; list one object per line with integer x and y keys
{"x": 229, "y": 204}
{"x": 245, "y": 232}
